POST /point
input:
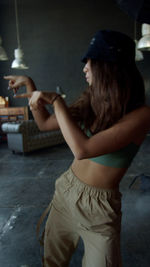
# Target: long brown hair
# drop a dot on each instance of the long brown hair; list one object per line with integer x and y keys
{"x": 116, "y": 90}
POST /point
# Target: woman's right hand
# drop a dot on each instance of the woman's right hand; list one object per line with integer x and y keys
{"x": 15, "y": 82}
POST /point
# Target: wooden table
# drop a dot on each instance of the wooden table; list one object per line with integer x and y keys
{"x": 13, "y": 114}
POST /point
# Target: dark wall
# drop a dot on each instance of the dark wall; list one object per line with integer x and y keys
{"x": 54, "y": 36}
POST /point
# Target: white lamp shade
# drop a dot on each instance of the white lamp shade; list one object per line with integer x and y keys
{"x": 144, "y": 42}
{"x": 18, "y": 62}
{"x": 145, "y": 29}
{"x": 138, "y": 54}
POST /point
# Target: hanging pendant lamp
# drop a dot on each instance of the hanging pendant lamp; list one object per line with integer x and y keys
{"x": 3, "y": 55}
{"x": 18, "y": 62}
{"x": 138, "y": 54}
{"x": 144, "y": 42}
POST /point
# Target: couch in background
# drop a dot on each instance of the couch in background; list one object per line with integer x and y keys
{"x": 25, "y": 136}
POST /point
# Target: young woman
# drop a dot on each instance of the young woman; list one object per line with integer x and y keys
{"x": 104, "y": 130}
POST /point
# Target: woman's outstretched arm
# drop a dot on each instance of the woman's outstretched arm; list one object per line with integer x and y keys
{"x": 43, "y": 118}
{"x": 132, "y": 127}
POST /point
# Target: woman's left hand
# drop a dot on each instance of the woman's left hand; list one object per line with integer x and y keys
{"x": 38, "y": 98}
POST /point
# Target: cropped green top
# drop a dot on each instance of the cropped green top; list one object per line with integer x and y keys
{"x": 121, "y": 158}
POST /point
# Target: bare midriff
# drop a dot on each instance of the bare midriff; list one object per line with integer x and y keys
{"x": 98, "y": 175}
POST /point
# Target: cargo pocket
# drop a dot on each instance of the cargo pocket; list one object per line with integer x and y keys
{"x": 97, "y": 214}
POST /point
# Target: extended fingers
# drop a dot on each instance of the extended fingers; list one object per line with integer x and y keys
{"x": 15, "y": 81}
{"x": 35, "y": 101}
{"x": 26, "y": 95}
{"x": 9, "y": 77}
{"x": 12, "y": 83}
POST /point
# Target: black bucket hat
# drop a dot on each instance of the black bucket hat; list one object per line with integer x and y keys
{"x": 111, "y": 46}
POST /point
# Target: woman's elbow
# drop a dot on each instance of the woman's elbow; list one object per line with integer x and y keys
{"x": 41, "y": 128}
{"x": 80, "y": 154}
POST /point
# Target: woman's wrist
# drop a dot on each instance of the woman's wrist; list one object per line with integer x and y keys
{"x": 30, "y": 85}
{"x": 56, "y": 97}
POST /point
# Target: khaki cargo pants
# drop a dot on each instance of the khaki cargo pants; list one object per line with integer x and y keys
{"x": 80, "y": 210}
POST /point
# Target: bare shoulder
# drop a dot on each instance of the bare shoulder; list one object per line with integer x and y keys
{"x": 142, "y": 113}
{"x": 139, "y": 121}
{"x": 144, "y": 110}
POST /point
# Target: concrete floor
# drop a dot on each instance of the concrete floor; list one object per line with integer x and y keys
{"x": 27, "y": 186}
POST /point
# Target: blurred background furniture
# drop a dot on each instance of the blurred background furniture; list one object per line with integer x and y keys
{"x": 25, "y": 136}
{"x": 9, "y": 114}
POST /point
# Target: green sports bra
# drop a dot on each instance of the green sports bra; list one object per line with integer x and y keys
{"x": 121, "y": 158}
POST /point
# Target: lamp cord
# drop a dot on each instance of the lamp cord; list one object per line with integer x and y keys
{"x": 17, "y": 24}
{"x": 134, "y": 30}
